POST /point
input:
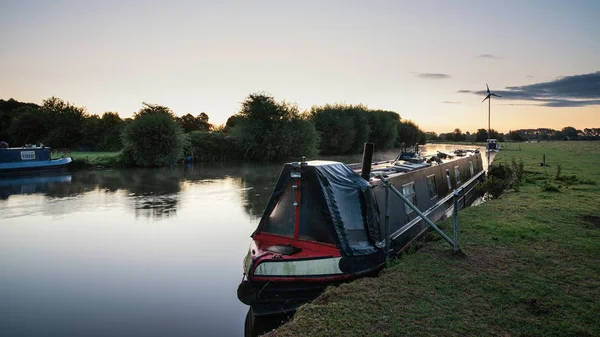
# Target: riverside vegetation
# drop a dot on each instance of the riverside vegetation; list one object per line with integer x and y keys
{"x": 530, "y": 267}
{"x": 263, "y": 130}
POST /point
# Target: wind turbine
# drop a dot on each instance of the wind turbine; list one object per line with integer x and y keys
{"x": 489, "y": 98}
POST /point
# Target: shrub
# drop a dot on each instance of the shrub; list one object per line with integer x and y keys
{"x": 153, "y": 138}
{"x": 550, "y": 187}
{"x": 492, "y": 186}
{"x": 518, "y": 168}
{"x": 213, "y": 146}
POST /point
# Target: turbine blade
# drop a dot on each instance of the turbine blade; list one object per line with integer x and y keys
{"x": 486, "y": 97}
{"x": 495, "y": 95}
{"x": 488, "y": 88}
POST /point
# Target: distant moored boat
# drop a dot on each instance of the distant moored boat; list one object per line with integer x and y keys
{"x": 29, "y": 159}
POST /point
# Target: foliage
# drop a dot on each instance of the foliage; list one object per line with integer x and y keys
{"x": 343, "y": 129}
{"x": 190, "y": 123}
{"x": 516, "y": 136}
{"x": 27, "y": 126}
{"x": 548, "y": 186}
{"x": 154, "y": 138}
{"x": 64, "y": 123}
{"x": 503, "y": 176}
{"x": 492, "y": 186}
{"x": 213, "y": 146}
{"x": 269, "y": 130}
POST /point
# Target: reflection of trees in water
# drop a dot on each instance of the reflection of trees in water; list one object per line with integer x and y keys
{"x": 153, "y": 192}
{"x": 258, "y": 182}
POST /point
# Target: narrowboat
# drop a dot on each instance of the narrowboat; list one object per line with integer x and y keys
{"x": 26, "y": 160}
{"x": 492, "y": 145}
{"x": 324, "y": 223}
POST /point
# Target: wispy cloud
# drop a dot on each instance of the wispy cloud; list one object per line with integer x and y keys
{"x": 451, "y": 102}
{"x": 568, "y": 91}
{"x": 488, "y": 57}
{"x": 433, "y": 76}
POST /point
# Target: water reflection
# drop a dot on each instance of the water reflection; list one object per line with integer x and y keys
{"x": 151, "y": 193}
{"x": 32, "y": 184}
{"x": 255, "y": 326}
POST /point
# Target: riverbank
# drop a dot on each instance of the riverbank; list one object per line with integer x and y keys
{"x": 531, "y": 264}
{"x": 87, "y": 159}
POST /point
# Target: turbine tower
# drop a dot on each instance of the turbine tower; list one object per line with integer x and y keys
{"x": 489, "y": 98}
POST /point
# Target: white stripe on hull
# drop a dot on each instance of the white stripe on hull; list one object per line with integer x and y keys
{"x": 329, "y": 266}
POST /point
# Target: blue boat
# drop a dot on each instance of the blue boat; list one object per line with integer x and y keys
{"x": 26, "y": 160}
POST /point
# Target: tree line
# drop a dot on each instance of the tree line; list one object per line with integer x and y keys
{"x": 566, "y": 133}
{"x": 264, "y": 129}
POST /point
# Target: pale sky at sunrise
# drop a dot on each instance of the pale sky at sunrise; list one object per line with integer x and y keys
{"x": 412, "y": 57}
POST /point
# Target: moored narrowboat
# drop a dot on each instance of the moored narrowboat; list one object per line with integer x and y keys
{"x": 27, "y": 160}
{"x": 324, "y": 223}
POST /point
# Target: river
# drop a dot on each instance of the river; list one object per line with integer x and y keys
{"x": 131, "y": 252}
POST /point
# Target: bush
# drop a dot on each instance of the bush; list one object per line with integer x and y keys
{"x": 550, "y": 187}
{"x": 213, "y": 146}
{"x": 153, "y": 138}
{"x": 492, "y": 186}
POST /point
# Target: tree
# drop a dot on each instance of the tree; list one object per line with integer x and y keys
{"x": 268, "y": 130}
{"x": 27, "y": 127}
{"x": 515, "y": 136}
{"x": 409, "y": 133}
{"x": 111, "y": 125}
{"x": 153, "y": 138}
{"x": 190, "y": 123}
{"x": 336, "y": 128}
{"x": 65, "y": 123}
{"x": 481, "y": 135}
{"x": 569, "y": 132}
{"x": 431, "y": 136}
{"x": 458, "y": 136}
{"x": 384, "y": 128}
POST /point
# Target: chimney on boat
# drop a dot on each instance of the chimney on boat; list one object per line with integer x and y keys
{"x": 366, "y": 161}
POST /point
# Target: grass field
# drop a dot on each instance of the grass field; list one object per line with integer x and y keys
{"x": 531, "y": 264}
{"x": 85, "y": 159}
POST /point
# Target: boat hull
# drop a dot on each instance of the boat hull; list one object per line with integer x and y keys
{"x": 33, "y": 167}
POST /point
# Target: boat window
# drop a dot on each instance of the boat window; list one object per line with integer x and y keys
{"x": 27, "y": 155}
{"x": 282, "y": 218}
{"x": 408, "y": 191}
{"x": 448, "y": 179}
{"x": 431, "y": 186}
{"x": 457, "y": 175}
{"x": 471, "y": 168}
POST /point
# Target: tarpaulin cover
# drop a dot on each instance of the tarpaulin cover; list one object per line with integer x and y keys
{"x": 336, "y": 206}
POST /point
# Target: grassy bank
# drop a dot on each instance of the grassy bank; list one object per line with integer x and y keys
{"x": 531, "y": 265}
{"x": 91, "y": 159}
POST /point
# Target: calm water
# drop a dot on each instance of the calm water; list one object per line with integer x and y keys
{"x": 130, "y": 252}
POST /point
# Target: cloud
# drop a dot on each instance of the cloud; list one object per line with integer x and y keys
{"x": 433, "y": 76}
{"x": 488, "y": 57}
{"x": 568, "y": 91}
{"x": 450, "y": 102}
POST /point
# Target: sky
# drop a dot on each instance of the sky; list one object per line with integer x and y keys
{"x": 427, "y": 60}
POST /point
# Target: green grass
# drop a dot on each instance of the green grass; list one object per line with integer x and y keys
{"x": 86, "y": 159}
{"x": 531, "y": 265}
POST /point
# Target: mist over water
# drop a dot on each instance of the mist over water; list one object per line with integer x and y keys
{"x": 138, "y": 252}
